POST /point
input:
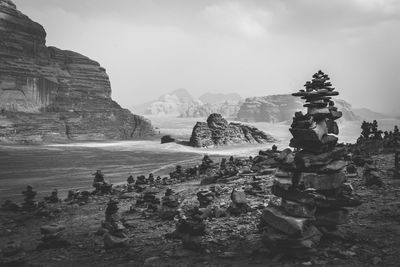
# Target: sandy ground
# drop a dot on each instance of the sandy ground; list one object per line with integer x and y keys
{"x": 371, "y": 238}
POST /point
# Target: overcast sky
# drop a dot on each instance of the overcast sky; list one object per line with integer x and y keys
{"x": 254, "y": 48}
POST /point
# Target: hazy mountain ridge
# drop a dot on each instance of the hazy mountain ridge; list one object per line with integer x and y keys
{"x": 280, "y": 108}
{"x": 180, "y": 103}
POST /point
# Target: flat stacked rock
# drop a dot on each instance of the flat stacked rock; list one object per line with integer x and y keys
{"x": 52, "y": 237}
{"x": 115, "y": 235}
{"x": 312, "y": 181}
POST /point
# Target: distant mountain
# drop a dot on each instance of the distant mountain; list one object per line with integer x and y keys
{"x": 181, "y": 103}
{"x": 367, "y": 114}
{"x": 213, "y": 98}
{"x": 226, "y": 109}
{"x": 173, "y": 103}
{"x": 280, "y": 108}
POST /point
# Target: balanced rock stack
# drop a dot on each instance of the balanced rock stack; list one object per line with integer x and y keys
{"x": 205, "y": 197}
{"x": 115, "y": 235}
{"x": 170, "y": 204}
{"x": 29, "y": 202}
{"x": 311, "y": 181}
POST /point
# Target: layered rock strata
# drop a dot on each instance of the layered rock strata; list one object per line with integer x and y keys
{"x": 48, "y": 94}
{"x": 311, "y": 182}
{"x": 280, "y": 108}
{"x": 217, "y": 132}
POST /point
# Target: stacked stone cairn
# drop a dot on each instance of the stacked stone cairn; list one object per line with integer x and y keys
{"x": 150, "y": 198}
{"x": 396, "y": 153}
{"x": 29, "y": 196}
{"x": 239, "y": 202}
{"x": 53, "y": 198}
{"x": 190, "y": 227}
{"x": 310, "y": 182}
{"x": 141, "y": 183}
{"x": 115, "y": 235}
{"x": 205, "y": 197}
{"x": 130, "y": 183}
{"x": 170, "y": 204}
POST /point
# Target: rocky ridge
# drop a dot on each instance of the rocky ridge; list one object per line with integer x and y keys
{"x": 279, "y": 108}
{"x": 217, "y": 131}
{"x": 49, "y": 94}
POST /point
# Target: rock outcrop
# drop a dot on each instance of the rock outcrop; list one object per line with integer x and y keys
{"x": 48, "y": 94}
{"x": 279, "y": 108}
{"x": 217, "y": 132}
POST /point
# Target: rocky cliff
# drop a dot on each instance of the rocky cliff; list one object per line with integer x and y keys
{"x": 48, "y": 94}
{"x": 279, "y": 108}
{"x": 218, "y": 132}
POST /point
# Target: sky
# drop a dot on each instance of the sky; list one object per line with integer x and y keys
{"x": 251, "y": 47}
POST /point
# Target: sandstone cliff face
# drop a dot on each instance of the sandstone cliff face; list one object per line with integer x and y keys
{"x": 48, "y": 94}
{"x": 218, "y": 132}
{"x": 279, "y": 108}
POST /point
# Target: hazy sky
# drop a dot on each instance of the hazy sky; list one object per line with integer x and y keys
{"x": 254, "y": 48}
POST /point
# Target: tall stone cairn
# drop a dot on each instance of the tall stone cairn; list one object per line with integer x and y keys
{"x": 310, "y": 181}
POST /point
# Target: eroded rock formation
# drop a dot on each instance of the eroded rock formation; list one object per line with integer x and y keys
{"x": 48, "y": 94}
{"x": 279, "y": 108}
{"x": 217, "y": 132}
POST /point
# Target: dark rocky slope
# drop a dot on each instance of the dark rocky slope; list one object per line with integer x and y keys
{"x": 217, "y": 132}
{"x": 48, "y": 94}
{"x": 279, "y": 108}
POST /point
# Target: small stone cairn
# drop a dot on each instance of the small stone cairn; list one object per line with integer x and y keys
{"x": 53, "y": 198}
{"x": 397, "y": 153}
{"x": 205, "y": 197}
{"x": 170, "y": 204}
{"x": 310, "y": 182}
{"x": 115, "y": 235}
{"x": 29, "y": 202}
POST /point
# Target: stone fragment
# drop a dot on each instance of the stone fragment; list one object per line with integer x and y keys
{"x": 112, "y": 241}
{"x": 12, "y": 248}
{"x": 297, "y": 209}
{"x": 308, "y": 159}
{"x": 284, "y": 183}
{"x": 51, "y": 229}
{"x": 322, "y": 181}
{"x": 372, "y": 176}
{"x": 275, "y": 218}
{"x": 277, "y": 241}
{"x": 238, "y": 197}
{"x": 333, "y": 167}
{"x": 331, "y": 217}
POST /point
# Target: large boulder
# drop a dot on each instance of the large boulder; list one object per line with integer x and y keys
{"x": 218, "y": 132}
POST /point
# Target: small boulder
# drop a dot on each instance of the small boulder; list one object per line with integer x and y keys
{"x": 167, "y": 139}
{"x": 111, "y": 241}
